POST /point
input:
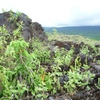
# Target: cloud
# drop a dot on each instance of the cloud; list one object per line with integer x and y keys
{"x": 57, "y": 12}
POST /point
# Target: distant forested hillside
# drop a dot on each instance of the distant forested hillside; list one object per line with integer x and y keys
{"x": 88, "y": 31}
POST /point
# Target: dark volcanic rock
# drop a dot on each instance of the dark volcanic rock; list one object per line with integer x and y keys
{"x": 60, "y": 44}
{"x": 97, "y": 67}
{"x": 63, "y": 79}
{"x": 98, "y": 57}
{"x": 51, "y": 98}
{"x": 97, "y": 45}
{"x": 67, "y": 45}
{"x": 30, "y": 29}
{"x": 76, "y": 49}
{"x": 85, "y": 59}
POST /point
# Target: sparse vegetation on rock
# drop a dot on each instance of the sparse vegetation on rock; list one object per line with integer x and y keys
{"x": 36, "y": 67}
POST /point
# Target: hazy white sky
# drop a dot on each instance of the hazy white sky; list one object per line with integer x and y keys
{"x": 57, "y": 12}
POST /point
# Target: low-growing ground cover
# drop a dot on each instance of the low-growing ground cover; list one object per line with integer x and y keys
{"x": 46, "y": 70}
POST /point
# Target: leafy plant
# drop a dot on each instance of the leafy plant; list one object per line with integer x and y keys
{"x": 84, "y": 50}
{"x": 98, "y": 85}
{"x": 14, "y": 16}
{"x": 78, "y": 79}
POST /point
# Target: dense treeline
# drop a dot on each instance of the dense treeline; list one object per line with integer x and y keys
{"x": 88, "y": 31}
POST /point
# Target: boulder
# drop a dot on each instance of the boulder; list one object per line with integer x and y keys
{"x": 67, "y": 45}
{"x": 85, "y": 59}
{"x": 63, "y": 79}
{"x": 30, "y": 29}
{"x": 97, "y": 45}
{"x": 97, "y": 67}
{"x": 97, "y": 57}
